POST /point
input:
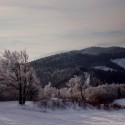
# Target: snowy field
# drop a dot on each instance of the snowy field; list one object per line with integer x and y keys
{"x": 13, "y": 114}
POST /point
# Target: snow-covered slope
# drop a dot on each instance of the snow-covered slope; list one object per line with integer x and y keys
{"x": 120, "y": 62}
{"x": 13, "y": 114}
{"x": 105, "y": 68}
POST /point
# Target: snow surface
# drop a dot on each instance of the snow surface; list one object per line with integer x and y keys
{"x": 13, "y": 114}
{"x": 120, "y": 102}
{"x": 105, "y": 68}
{"x": 120, "y": 62}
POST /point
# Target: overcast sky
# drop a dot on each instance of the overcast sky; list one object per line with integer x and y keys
{"x": 44, "y": 27}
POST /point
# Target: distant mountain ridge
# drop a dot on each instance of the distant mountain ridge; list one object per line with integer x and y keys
{"x": 59, "y": 68}
{"x": 99, "y": 50}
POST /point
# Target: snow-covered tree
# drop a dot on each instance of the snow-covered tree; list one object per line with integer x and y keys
{"x": 78, "y": 84}
{"x": 50, "y": 92}
{"x": 15, "y": 72}
{"x": 64, "y": 93}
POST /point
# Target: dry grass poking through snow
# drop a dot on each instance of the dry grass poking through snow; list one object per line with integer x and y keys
{"x": 13, "y": 114}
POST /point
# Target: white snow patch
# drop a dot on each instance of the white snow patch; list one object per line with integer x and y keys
{"x": 88, "y": 79}
{"x": 120, "y": 62}
{"x": 13, "y": 114}
{"x": 105, "y": 68}
{"x": 120, "y": 102}
{"x": 87, "y": 76}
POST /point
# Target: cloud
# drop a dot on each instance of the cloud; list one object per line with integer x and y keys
{"x": 45, "y": 26}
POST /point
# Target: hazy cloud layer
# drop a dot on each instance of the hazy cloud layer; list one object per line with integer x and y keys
{"x": 44, "y": 27}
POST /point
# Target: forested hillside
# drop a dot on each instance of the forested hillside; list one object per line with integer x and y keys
{"x": 59, "y": 68}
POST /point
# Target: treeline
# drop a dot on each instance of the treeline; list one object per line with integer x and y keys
{"x": 77, "y": 89}
{"x": 67, "y": 97}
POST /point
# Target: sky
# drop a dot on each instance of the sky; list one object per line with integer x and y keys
{"x": 45, "y": 27}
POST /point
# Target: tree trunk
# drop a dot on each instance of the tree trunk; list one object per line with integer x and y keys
{"x": 24, "y": 100}
{"x": 82, "y": 96}
{"x": 24, "y": 87}
{"x": 24, "y": 94}
{"x": 20, "y": 95}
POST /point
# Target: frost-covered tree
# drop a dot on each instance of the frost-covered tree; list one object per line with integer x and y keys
{"x": 50, "y": 92}
{"x": 73, "y": 86}
{"x": 15, "y": 72}
{"x": 78, "y": 84}
{"x": 64, "y": 93}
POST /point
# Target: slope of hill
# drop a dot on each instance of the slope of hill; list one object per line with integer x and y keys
{"x": 59, "y": 68}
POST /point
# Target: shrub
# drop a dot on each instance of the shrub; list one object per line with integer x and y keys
{"x": 104, "y": 94}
